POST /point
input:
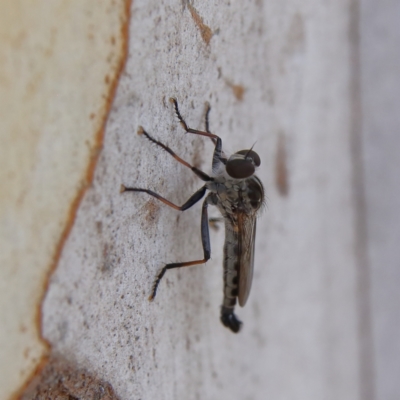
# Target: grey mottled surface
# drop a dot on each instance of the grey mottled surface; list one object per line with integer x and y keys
{"x": 301, "y": 336}
{"x": 380, "y": 60}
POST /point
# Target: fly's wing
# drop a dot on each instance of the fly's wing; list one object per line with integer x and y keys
{"x": 246, "y": 236}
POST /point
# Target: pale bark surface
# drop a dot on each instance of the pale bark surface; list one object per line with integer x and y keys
{"x": 59, "y": 61}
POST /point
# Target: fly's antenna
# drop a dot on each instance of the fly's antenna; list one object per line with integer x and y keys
{"x": 251, "y": 148}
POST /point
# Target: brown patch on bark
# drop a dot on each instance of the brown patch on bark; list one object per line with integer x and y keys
{"x": 205, "y": 31}
{"x": 281, "y": 172}
{"x": 238, "y": 90}
{"x": 296, "y": 35}
{"x": 61, "y": 380}
{"x": 152, "y": 211}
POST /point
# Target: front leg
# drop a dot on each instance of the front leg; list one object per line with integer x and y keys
{"x": 217, "y": 157}
{"x": 202, "y": 175}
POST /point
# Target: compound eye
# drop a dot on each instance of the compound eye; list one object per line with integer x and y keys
{"x": 251, "y": 154}
{"x": 240, "y": 168}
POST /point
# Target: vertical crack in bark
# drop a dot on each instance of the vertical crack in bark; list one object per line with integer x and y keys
{"x": 363, "y": 291}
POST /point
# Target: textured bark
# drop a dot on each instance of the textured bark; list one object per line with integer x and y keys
{"x": 300, "y": 337}
{"x": 309, "y": 83}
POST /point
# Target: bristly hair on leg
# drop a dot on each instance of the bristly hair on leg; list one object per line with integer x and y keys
{"x": 178, "y": 114}
{"x": 156, "y": 283}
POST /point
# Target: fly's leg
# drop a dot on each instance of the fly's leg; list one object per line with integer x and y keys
{"x": 205, "y": 240}
{"x": 206, "y": 121}
{"x": 202, "y": 175}
{"x": 191, "y": 202}
{"x": 229, "y": 319}
{"x": 190, "y": 130}
{"x": 217, "y": 157}
{"x": 205, "y": 235}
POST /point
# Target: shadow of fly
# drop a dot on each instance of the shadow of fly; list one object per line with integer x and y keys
{"x": 238, "y": 194}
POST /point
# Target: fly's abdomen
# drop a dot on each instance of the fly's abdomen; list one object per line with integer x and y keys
{"x": 231, "y": 264}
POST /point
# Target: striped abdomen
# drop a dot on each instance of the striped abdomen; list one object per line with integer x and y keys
{"x": 231, "y": 264}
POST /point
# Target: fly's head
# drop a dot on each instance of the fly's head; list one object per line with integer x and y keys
{"x": 242, "y": 164}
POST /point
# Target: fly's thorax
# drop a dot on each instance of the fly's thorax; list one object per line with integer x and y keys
{"x": 227, "y": 193}
{"x": 254, "y": 193}
{"x": 245, "y": 195}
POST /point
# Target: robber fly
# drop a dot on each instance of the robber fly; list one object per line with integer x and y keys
{"x": 239, "y": 195}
